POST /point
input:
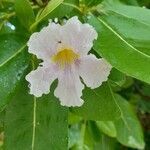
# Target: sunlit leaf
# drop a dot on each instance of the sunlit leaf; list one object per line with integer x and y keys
{"x": 107, "y": 127}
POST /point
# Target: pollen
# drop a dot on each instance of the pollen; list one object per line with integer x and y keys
{"x": 65, "y": 57}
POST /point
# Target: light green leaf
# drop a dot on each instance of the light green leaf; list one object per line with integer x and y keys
{"x": 74, "y": 135}
{"x": 13, "y": 63}
{"x": 128, "y": 128}
{"x": 24, "y": 12}
{"x": 73, "y": 119}
{"x": 107, "y": 127}
{"x": 99, "y": 104}
{"x": 119, "y": 52}
{"x": 124, "y": 19}
{"x": 127, "y": 11}
{"x": 35, "y": 124}
{"x": 79, "y": 138}
{"x": 52, "y": 5}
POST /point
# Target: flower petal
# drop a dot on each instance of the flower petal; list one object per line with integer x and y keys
{"x": 94, "y": 71}
{"x": 69, "y": 89}
{"x": 44, "y": 43}
{"x": 78, "y": 36}
{"x": 41, "y": 79}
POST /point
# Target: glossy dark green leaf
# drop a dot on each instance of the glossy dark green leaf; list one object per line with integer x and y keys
{"x": 13, "y": 63}
{"x": 128, "y": 128}
{"x": 35, "y": 124}
{"x": 99, "y": 104}
{"x": 6, "y": 28}
{"x": 119, "y": 52}
{"x": 24, "y": 12}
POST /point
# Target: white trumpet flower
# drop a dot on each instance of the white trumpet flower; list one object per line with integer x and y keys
{"x": 64, "y": 51}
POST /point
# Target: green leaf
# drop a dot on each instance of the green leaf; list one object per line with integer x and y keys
{"x": 128, "y": 128}
{"x": 24, "y": 12}
{"x": 13, "y": 63}
{"x": 130, "y": 2}
{"x": 145, "y": 3}
{"x": 117, "y": 77}
{"x": 80, "y": 138}
{"x": 99, "y": 104}
{"x": 52, "y": 5}
{"x": 2, "y": 118}
{"x": 73, "y": 119}
{"x": 74, "y": 135}
{"x": 65, "y": 9}
{"x": 6, "y": 28}
{"x": 107, "y": 127}
{"x": 119, "y": 52}
{"x": 36, "y": 124}
{"x": 9, "y": 1}
{"x": 94, "y": 131}
{"x": 106, "y": 143}
{"x": 127, "y": 11}
{"x": 134, "y": 30}
{"x": 49, "y": 8}
{"x": 91, "y": 2}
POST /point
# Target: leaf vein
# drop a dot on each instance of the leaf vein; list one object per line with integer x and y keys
{"x": 14, "y": 55}
{"x": 121, "y": 38}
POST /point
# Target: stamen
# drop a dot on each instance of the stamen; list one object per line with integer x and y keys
{"x": 65, "y": 57}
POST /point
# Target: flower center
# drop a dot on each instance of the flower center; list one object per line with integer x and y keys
{"x": 65, "y": 57}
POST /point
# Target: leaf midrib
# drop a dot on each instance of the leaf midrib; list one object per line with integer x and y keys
{"x": 122, "y": 115}
{"x": 120, "y": 5}
{"x": 121, "y": 38}
{"x": 130, "y": 17}
{"x": 13, "y": 56}
{"x": 34, "y": 123}
{"x": 42, "y": 15}
{"x": 120, "y": 111}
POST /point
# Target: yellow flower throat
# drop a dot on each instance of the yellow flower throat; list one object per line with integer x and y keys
{"x": 65, "y": 57}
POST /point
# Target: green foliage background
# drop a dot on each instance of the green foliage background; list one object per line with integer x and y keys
{"x": 115, "y": 116}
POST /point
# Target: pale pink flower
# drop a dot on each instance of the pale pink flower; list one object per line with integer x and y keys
{"x": 64, "y": 51}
